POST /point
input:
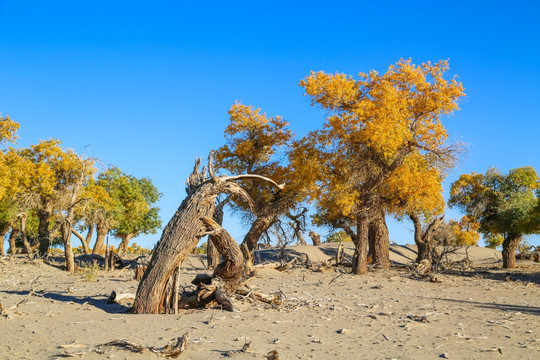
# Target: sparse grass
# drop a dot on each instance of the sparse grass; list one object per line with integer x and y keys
{"x": 89, "y": 273}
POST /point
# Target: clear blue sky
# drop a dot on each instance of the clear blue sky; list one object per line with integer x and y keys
{"x": 146, "y": 85}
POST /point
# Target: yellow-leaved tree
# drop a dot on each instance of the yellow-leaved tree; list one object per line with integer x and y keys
{"x": 259, "y": 144}
{"x": 375, "y": 124}
{"x": 56, "y": 177}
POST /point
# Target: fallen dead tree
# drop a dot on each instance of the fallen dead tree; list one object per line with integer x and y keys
{"x": 158, "y": 288}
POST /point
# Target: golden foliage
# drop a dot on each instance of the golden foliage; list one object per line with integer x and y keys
{"x": 465, "y": 231}
{"x": 8, "y": 130}
{"x": 383, "y": 139}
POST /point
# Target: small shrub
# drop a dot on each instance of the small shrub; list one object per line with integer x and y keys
{"x": 90, "y": 272}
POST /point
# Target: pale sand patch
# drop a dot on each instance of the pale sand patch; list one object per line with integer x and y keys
{"x": 325, "y": 315}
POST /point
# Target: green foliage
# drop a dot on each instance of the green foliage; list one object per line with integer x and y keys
{"x": 132, "y": 211}
{"x": 493, "y": 240}
{"x": 501, "y": 204}
{"x": 340, "y": 236}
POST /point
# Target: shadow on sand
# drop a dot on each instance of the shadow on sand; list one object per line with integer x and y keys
{"x": 99, "y": 301}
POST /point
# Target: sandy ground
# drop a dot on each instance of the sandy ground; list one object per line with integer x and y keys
{"x": 479, "y": 313}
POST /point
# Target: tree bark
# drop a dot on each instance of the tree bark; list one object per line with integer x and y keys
{"x": 183, "y": 233}
{"x": 380, "y": 242}
{"x": 84, "y": 244}
{"x": 102, "y": 231}
{"x": 22, "y": 217}
{"x": 65, "y": 229}
{"x": 316, "y": 238}
{"x": 424, "y": 252}
{"x": 179, "y": 237}
{"x": 212, "y": 255}
{"x": 2, "y": 234}
{"x": 231, "y": 267}
{"x": 124, "y": 244}
{"x": 88, "y": 238}
{"x": 12, "y": 237}
{"x": 43, "y": 231}
{"x": 360, "y": 263}
{"x": 424, "y": 239}
{"x": 510, "y": 244}
{"x": 259, "y": 226}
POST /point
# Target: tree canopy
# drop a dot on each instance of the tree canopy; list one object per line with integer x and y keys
{"x": 503, "y": 204}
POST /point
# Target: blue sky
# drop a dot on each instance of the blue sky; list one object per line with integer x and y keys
{"x": 146, "y": 85}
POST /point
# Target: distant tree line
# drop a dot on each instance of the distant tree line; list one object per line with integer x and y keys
{"x": 49, "y": 193}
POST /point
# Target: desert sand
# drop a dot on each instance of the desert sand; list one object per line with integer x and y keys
{"x": 475, "y": 311}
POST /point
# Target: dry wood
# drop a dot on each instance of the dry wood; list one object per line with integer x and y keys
{"x": 274, "y": 299}
{"x": 115, "y": 297}
{"x": 248, "y": 259}
{"x": 316, "y": 238}
{"x": 223, "y": 299}
{"x": 288, "y": 265}
{"x": 181, "y": 235}
{"x": 231, "y": 267}
{"x": 339, "y": 254}
{"x": 139, "y": 271}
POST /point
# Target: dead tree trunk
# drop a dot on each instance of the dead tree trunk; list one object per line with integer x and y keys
{"x": 212, "y": 254}
{"x": 182, "y": 234}
{"x": 316, "y": 238}
{"x": 231, "y": 267}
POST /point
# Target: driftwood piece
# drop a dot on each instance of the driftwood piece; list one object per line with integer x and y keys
{"x": 223, "y": 299}
{"x": 116, "y": 297}
{"x": 286, "y": 266}
{"x": 172, "y": 350}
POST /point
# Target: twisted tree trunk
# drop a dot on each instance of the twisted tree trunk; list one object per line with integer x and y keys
{"x": 230, "y": 268}
{"x": 182, "y": 234}
{"x": 424, "y": 239}
{"x": 259, "y": 226}
{"x": 124, "y": 244}
{"x": 84, "y": 241}
{"x": 102, "y": 231}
